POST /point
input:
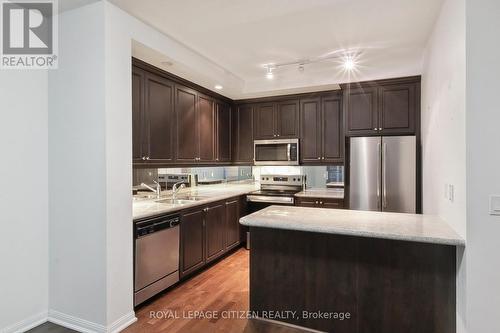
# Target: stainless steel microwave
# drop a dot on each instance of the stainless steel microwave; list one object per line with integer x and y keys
{"x": 276, "y": 152}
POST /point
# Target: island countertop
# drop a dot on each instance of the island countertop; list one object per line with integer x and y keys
{"x": 396, "y": 226}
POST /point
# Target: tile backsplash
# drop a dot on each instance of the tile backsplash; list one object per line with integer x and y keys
{"x": 317, "y": 176}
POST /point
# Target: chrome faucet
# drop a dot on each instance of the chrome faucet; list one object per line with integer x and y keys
{"x": 157, "y": 191}
{"x": 176, "y": 188}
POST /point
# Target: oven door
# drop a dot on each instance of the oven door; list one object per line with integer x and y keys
{"x": 258, "y": 202}
{"x": 276, "y": 152}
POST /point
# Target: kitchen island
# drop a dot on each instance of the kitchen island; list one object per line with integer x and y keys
{"x": 353, "y": 271}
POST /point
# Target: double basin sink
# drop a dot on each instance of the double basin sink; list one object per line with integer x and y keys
{"x": 181, "y": 199}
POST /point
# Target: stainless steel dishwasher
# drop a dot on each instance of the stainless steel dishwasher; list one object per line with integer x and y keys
{"x": 156, "y": 256}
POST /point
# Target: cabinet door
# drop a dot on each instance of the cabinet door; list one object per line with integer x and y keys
{"x": 361, "y": 110}
{"x": 138, "y": 77}
{"x": 215, "y": 224}
{"x": 160, "y": 118}
{"x": 332, "y": 129}
{"x": 309, "y": 202}
{"x": 331, "y": 203}
{"x": 223, "y": 132}
{"x": 287, "y": 119}
{"x": 232, "y": 224}
{"x": 192, "y": 241}
{"x": 397, "y": 104}
{"x": 264, "y": 121}
{"x": 244, "y": 134}
{"x": 187, "y": 136}
{"x": 310, "y": 124}
{"x": 206, "y": 129}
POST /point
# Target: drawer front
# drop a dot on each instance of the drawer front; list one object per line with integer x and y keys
{"x": 320, "y": 203}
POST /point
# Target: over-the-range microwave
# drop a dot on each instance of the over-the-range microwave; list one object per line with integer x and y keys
{"x": 276, "y": 152}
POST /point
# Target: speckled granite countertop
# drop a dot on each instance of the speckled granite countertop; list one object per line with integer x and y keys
{"x": 329, "y": 193}
{"x": 208, "y": 193}
{"x": 407, "y": 227}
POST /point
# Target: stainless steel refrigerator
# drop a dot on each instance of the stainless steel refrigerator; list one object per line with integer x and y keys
{"x": 382, "y": 174}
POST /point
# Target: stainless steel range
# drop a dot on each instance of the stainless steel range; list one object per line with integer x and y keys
{"x": 274, "y": 190}
{"x": 277, "y": 190}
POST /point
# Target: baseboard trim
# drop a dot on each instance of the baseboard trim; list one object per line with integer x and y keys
{"x": 75, "y": 323}
{"x": 85, "y": 326}
{"x": 122, "y": 323}
{"x": 26, "y": 324}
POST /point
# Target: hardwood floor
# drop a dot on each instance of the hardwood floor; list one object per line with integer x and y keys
{"x": 221, "y": 290}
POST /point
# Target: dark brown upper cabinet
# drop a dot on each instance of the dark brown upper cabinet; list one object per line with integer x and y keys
{"x": 362, "y": 114}
{"x": 206, "y": 129}
{"x": 138, "y": 78}
{"x": 322, "y": 136}
{"x": 332, "y": 129}
{"x": 264, "y": 121}
{"x": 223, "y": 122}
{"x": 276, "y": 120}
{"x": 386, "y": 107}
{"x": 311, "y": 150}
{"x": 153, "y": 118}
{"x": 195, "y": 127}
{"x": 287, "y": 119}
{"x": 397, "y": 108}
{"x": 242, "y": 125}
{"x": 187, "y": 125}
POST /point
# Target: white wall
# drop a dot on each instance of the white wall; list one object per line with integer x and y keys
{"x": 23, "y": 198}
{"x": 119, "y": 169}
{"x": 443, "y": 130}
{"x": 483, "y": 165}
{"x": 443, "y": 116}
{"x": 77, "y": 170}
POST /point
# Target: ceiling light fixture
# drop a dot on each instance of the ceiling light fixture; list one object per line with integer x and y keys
{"x": 349, "y": 63}
{"x": 269, "y": 73}
{"x": 218, "y": 87}
{"x": 347, "y": 59}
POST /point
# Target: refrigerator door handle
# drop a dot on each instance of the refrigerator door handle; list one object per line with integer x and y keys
{"x": 379, "y": 154}
{"x": 384, "y": 177}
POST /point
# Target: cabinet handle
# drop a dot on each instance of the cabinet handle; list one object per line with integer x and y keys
{"x": 323, "y": 158}
{"x": 205, "y": 209}
{"x": 375, "y": 129}
{"x": 277, "y": 135}
{"x": 319, "y": 158}
{"x": 316, "y": 202}
{"x": 144, "y": 158}
{"x": 321, "y": 202}
{"x": 380, "y": 128}
{"x": 147, "y": 158}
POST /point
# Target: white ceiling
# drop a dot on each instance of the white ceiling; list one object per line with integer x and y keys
{"x": 241, "y": 36}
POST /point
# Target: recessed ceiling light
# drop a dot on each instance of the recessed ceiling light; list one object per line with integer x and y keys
{"x": 218, "y": 87}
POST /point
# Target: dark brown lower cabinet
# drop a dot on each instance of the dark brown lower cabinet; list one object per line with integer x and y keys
{"x": 320, "y": 202}
{"x": 232, "y": 224}
{"x": 207, "y": 233}
{"x": 386, "y": 286}
{"x": 192, "y": 241}
{"x": 215, "y": 225}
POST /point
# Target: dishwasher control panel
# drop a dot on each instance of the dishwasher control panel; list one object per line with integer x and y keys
{"x": 150, "y": 226}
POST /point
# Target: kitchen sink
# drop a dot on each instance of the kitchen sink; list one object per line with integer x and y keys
{"x": 175, "y": 201}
